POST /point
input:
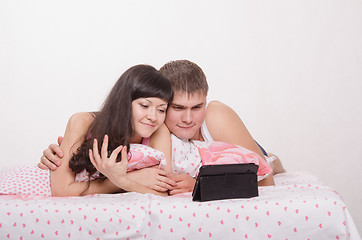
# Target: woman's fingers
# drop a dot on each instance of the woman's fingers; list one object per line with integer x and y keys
{"x": 104, "y": 149}
{"x": 160, "y": 189}
{"x": 93, "y": 161}
{"x": 164, "y": 186}
{"x": 124, "y": 157}
{"x": 115, "y": 152}
{"x": 167, "y": 180}
{"x": 96, "y": 155}
{"x": 161, "y": 172}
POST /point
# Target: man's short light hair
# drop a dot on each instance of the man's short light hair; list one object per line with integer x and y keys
{"x": 185, "y": 77}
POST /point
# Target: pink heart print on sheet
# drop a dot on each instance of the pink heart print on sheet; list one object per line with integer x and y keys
{"x": 224, "y": 153}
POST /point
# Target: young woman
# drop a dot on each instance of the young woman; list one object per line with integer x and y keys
{"x": 133, "y": 111}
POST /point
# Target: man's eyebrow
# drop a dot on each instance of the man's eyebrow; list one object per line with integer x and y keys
{"x": 198, "y": 105}
{"x": 176, "y": 104}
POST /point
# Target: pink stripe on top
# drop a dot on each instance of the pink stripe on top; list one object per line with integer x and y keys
{"x": 146, "y": 141}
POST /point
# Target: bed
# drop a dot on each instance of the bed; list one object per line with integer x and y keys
{"x": 299, "y": 206}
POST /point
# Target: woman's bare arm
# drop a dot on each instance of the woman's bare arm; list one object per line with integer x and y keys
{"x": 161, "y": 141}
{"x": 154, "y": 177}
{"x": 63, "y": 179}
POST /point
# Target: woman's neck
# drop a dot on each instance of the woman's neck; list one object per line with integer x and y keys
{"x": 136, "y": 139}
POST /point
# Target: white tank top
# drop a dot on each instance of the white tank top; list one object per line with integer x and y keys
{"x": 204, "y": 131}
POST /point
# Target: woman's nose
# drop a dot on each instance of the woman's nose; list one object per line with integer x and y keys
{"x": 151, "y": 115}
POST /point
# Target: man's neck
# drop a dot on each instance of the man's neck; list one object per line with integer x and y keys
{"x": 197, "y": 136}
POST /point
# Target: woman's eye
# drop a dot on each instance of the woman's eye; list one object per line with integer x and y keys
{"x": 162, "y": 110}
{"x": 144, "y": 106}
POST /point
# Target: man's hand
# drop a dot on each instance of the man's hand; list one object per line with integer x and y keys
{"x": 184, "y": 183}
{"x": 153, "y": 178}
{"x": 52, "y": 156}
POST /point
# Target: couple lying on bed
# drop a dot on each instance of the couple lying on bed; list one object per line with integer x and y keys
{"x": 135, "y": 113}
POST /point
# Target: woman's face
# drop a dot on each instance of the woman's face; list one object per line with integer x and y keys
{"x": 148, "y": 114}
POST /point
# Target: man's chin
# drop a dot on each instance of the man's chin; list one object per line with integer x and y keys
{"x": 184, "y": 136}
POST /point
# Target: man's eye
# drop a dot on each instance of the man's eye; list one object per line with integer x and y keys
{"x": 196, "y": 107}
{"x": 177, "y": 108}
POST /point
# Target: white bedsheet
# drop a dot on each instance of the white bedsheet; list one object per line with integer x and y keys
{"x": 299, "y": 206}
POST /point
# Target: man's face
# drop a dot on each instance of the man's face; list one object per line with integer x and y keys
{"x": 185, "y": 115}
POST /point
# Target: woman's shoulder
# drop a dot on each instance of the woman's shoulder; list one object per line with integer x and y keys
{"x": 81, "y": 119}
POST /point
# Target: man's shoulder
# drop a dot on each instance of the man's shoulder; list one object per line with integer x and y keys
{"x": 216, "y": 107}
{"x": 219, "y": 114}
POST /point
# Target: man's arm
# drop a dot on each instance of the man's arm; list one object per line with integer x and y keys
{"x": 225, "y": 125}
{"x": 52, "y": 156}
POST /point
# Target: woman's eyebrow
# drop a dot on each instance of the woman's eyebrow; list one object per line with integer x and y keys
{"x": 162, "y": 104}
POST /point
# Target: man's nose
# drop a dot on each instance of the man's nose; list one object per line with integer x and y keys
{"x": 187, "y": 117}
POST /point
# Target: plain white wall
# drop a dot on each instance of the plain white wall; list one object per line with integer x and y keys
{"x": 291, "y": 69}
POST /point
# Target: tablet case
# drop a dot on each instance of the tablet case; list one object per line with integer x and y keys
{"x": 225, "y": 181}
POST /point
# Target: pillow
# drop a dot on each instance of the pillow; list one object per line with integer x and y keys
{"x": 30, "y": 180}
{"x": 139, "y": 156}
{"x": 25, "y": 180}
{"x": 224, "y": 153}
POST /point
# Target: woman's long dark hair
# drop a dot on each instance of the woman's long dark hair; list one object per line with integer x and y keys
{"x": 115, "y": 116}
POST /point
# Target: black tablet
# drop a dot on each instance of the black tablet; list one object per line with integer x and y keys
{"x": 225, "y": 181}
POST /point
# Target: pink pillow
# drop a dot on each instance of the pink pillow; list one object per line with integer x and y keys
{"x": 31, "y": 180}
{"x": 25, "y": 180}
{"x": 225, "y": 153}
{"x": 141, "y": 156}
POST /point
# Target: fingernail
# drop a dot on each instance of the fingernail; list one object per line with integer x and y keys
{"x": 57, "y": 163}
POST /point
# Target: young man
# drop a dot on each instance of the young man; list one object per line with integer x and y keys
{"x": 189, "y": 117}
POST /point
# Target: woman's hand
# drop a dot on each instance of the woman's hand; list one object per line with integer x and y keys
{"x": 185, "y": 183}
{"x": 153, "y": 178}
{"x": 114, "y": 171}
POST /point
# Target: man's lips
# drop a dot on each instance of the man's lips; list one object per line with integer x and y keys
{"x": 186, "y": 127}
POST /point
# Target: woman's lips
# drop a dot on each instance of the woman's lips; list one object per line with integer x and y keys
{"x": 148, "y": 125}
